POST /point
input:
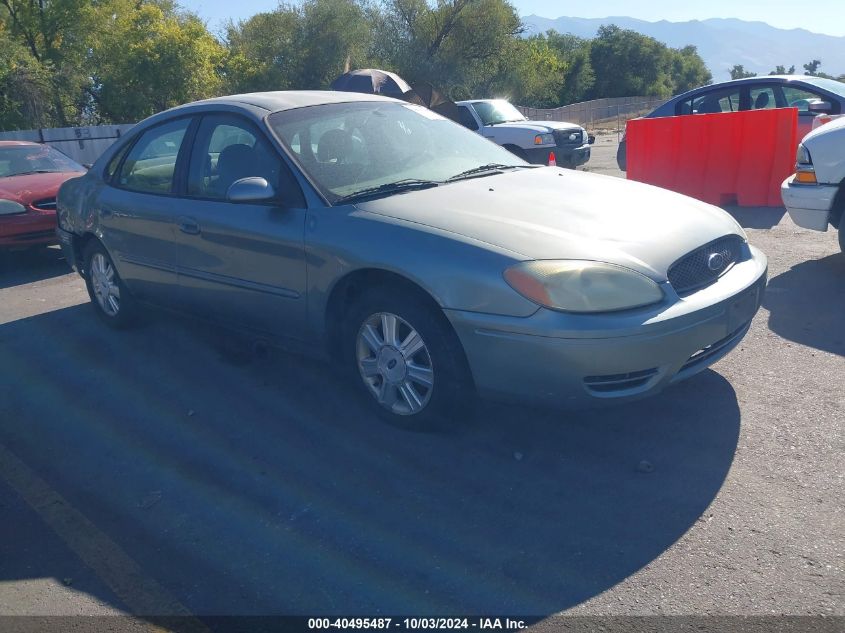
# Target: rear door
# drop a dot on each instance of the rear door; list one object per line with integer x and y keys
{"x": 241, "y": 262}
{"x": 138, "y": 207}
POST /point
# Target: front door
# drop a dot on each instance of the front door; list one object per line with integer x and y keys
{"x": 241, "y": 263}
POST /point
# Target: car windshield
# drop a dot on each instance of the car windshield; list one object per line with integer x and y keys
{"x": 831, "y": 85}
{"x": 350, "y": 148}
{"x": 497, "y": 111}
{"x": 16, "y": 160}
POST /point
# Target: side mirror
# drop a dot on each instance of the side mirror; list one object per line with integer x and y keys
{"x": 591, "y": 139}
{"x": 253, "y": 189}
{"x": 819, "y": 107}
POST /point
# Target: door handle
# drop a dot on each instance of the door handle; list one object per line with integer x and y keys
{"x": 188, "y": 225}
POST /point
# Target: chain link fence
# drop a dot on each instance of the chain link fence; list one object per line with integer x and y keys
{"x": 608, "y": 115}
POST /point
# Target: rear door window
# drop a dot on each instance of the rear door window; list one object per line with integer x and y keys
{"x": 151, "y": 163}
{"x": 710, "y": 102}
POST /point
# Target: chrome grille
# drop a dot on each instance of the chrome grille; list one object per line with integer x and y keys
{"x": 562, "y": 137}
{"x": 705, "y": 264}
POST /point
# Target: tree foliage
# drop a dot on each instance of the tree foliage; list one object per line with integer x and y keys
{"x": 71, "y": 62}
{"x": 149, "y": 57}
{"x": 739, "y": 72}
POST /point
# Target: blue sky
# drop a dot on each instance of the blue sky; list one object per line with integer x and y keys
{"x": 826, "y": 18}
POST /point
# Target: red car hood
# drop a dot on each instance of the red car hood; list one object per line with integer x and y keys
{"x": 28, "y": 188}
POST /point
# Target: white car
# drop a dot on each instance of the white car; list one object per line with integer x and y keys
{"x": 532, "y": 141}
{"x": 814, "y": 195}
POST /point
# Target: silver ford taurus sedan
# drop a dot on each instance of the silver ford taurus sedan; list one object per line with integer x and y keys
{"x": 433, "y": 263}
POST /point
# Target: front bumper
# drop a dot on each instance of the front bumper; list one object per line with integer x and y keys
{"x": 565, "y": 156}
{"x": 27, "y": 229}
{"x": 808, "y": 205}
{"x": 570, "y": 360}
{"x": 68, "y": 246}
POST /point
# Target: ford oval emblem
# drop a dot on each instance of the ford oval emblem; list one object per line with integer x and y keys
{"x": 716, "y": 262}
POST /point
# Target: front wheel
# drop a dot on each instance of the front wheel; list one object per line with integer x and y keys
{"x": 407, "y": 360}
{"x": 109, "y": 296}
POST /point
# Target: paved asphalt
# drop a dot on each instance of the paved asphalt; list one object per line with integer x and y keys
{"x": 161, "y": 471}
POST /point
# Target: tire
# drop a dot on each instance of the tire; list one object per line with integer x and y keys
{"x": 109, "y": 296}
{"x": 420, "y": 382}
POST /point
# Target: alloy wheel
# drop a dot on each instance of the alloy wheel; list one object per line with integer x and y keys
{"x": 395, "y": 363}
{"x": 104, "y": 284}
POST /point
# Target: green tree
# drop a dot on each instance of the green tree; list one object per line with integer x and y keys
{"x": 463, "y": 46}
{"x": 812, "y": 68}
{"x": 781, "y": 70}
{"x": 688, "y": 70}
{"x": 627, "y": 63}
{"x": 579, "y": 77}
{"x": 298, "y": 46}
{"x": 25, "y": 88}
{"x": 56, "y": 35}
{"x": 739, "y": 72}
{"x": 148, "y": 57}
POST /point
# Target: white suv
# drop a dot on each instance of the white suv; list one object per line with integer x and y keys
{"x": 815, "y": 194}
{"x": 533, "y": 141}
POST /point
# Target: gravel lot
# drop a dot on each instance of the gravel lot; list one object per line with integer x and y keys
{"x": 162, "y": 471}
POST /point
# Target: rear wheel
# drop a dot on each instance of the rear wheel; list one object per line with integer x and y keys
{"x": 109, "y": 296}
{"x": 406, "y": 359}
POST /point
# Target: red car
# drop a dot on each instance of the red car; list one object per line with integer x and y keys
{"x": 30, "y": 176}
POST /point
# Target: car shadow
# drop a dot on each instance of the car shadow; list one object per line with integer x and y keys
{"x": 24, "y": 267}
{"x": 806, "y": 304}
{"x": 756, "y": 217}
{"x": 267, "y": 488}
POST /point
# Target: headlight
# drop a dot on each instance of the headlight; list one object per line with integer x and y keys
{"x": 582, "y": 286}
{"x": 805, "y": 173}
{"x": 544, "y": 139}
{"x": 585, "y": 138}
{"x": 802, "y": 156}
{"x": 10, "y": 207}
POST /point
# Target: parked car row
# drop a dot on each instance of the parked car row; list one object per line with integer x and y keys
{"x": 427, "y": 262}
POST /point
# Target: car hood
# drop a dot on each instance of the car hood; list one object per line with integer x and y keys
{"x": 538, "y": 127}
{"x": 30, "y": 187}
{"x": 552, "y": 213}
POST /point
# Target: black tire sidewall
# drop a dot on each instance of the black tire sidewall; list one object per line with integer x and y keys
{"x": 127, "y": 314}
{"x": 452, "y": 391}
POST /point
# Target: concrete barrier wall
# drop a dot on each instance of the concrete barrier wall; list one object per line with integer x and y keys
{"x": 82, "y": 144}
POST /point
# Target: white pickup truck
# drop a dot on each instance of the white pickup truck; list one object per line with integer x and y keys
{"x": 814, "y": 195}
{"x": 533, "y": 141}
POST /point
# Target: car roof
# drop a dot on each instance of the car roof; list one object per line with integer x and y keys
{"x": 777, "y": 79}
{"x": 291, "y": 99}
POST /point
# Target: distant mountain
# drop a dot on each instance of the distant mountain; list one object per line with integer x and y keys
{"x": 721, "y": 42}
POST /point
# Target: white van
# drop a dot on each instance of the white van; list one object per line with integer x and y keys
{"x": 815, "y": 194}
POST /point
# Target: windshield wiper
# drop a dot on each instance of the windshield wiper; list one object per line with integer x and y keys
{"x": 33, "y": 171}
{"x": 488, "y": 169}
{"x": 408, "y": 184}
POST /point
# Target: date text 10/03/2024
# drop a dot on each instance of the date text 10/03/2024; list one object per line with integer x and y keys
{"x": 478, "y": 623}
